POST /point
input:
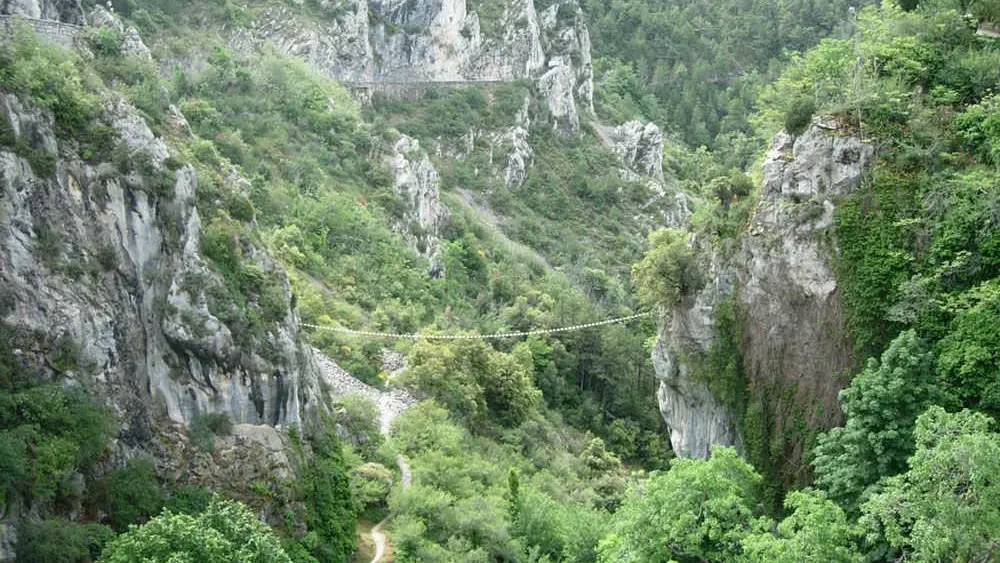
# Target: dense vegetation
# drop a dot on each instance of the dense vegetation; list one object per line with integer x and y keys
{"x": 538, "y": 450}
{"x": 696, "y": 66}
{"x": 905, "y": 476}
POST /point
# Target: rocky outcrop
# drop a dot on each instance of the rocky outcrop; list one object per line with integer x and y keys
{"x": 695, "y": 417}
{"x": 793, "y": 343}
{"x": 391, "y": 45}
{"x": 638, "y": 146}
{"x": 132, "y": 44}
{"x": 104, "y": 259}
{"x": 416, "y": 183}
{"x": 568, "y": 82}
{"x": 66, "y": 11}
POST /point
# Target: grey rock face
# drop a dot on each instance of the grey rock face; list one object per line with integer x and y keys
{"x": 132, "y": 44}
{"x": 779, "y": 270}
{"x": 568, "y": 81}
{"x": 66, "y": 11}
{"x": 393, "y": 46}
{"x": 416, "y": 182}
{"x": 139, "y": 309}
{"x": 696, "y": 419}
{"x": 638, "y": 146}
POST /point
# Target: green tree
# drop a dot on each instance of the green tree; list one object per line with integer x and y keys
{"x": 799, "y": 115}
{"x": 815, "y": 529}
{"x": 668, "y": 272}
{"x": 226, "y": 531}
{"x": 132, "y": 494}
{"x": 881, "y": 406}
{"x": 331, "y": 514}
{"x": 700, "y": 510}
{"x": 450, "y": 373}
{"x": 360, "y": 417}
{"x": 60, "y": 541}
{"x": 947, "y": 506}
{"x": 969, "y": 366}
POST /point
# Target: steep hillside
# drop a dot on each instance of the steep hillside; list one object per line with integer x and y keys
{"x": 167, "y": 232}
{"x": 255, "y": 256}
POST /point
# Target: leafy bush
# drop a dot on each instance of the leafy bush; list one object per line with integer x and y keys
{"x": 205, "y": 427}
{"x": 330, "y": 511}
{"x": 360, "y": 418}
{"x": 700, "y": 509}
{"x": 188, "y": 499}
{"x": 881, "y": 407}
{"x": 668, "y": 272}
{"x": 799, "y": 115}
{"x": 53, "y": 78}
{"x": 60, "y": 541}
{"x": 46, "y": 432}
{"x": 105, "y": 41}
{"x": 225, "y": 531}
{"x": 132, "y": 495}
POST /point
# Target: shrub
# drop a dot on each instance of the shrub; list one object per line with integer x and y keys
{"x": 50, "y": 76}
{"x": 225, "y": 531}
{"x": 204, "y": 428}
{"x": 668, "y": 272}
{"x": 105, "y": 41}
{"x": 189, "y": 499}
{"x": 133, "y": 494}
{"x": 799, "y": 115}
{"x": 60, "y": 541}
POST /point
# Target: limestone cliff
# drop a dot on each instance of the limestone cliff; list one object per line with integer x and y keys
{"x": 68, "y": 11}
{"x": 398, "y": 47}
{"x": 416, "y": 183}
{"x": 95, "y": 254}
{"x": 792, "y": 342}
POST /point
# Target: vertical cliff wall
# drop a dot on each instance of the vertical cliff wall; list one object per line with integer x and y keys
{"x": 785, "y": 317}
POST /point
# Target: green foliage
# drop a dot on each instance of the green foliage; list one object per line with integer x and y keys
{"x": 205, "y": 427}
{"x": 188, "y": 499}
{"x": 703, "y": 81}
{"x": 453, "y": 114}
{"x": 370, "y": 484}
{"x": 225, "y": 531}
{"x": 330, "y": 514}
{"x": 47, "y": 432}
{"x": 473, "y": 379}
{"x": 131, "y": 495}
{"x": 815, "y": 529}
{"x": 799, "y": 115}
{"x": 699, "y": 510}
{"x": 359, "y": 416}
{"x": 947, "y": 506}
{"x": 979, "y": 129}
{"x": 875, "y": 253}
{"x": 60, "y": 541}
{"x": 53, "y": 78}
{"x": 531, "y": 494}
{"x": 105, "y": 41}
{"x": 668, "y": 273}
{"x": 970, "y": 370}
{"x": 881, "y": 407}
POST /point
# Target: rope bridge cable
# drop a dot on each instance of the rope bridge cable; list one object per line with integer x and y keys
{"x": 496, "y": 335}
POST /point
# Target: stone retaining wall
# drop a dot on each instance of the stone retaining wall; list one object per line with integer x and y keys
{"x": 57, "y": 32}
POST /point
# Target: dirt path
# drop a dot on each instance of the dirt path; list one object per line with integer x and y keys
{"x": 390, "y": 404}
{"x": 377, "y": 535}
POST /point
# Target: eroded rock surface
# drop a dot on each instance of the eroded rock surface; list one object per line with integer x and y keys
{"x": 793, "y": 341}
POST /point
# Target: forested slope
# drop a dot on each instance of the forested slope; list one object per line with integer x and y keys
{"x": 193, "y": 182}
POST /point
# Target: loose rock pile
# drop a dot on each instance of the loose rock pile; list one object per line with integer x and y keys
{"x": 391, "y": 403}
